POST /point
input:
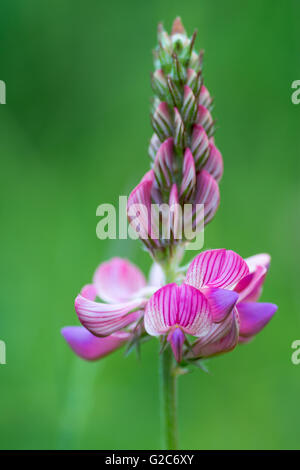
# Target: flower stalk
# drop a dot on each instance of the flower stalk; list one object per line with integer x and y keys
{"x": 168, "y": 396}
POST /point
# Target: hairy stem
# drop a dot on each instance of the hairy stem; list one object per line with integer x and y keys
{"x": 168, "y": 400}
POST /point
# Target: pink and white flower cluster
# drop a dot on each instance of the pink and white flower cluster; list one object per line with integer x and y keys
{"x": 214, "y": 309}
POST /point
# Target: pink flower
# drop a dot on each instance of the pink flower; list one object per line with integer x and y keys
{"x": 253, "y": 315}
{"x": 107, "y": 326}
{"x": 248, "y": 317}
{"x": 160, "y": 186}
{"x": 217, "y": 304}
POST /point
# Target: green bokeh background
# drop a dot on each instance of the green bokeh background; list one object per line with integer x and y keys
{"x": 73, "y": 135}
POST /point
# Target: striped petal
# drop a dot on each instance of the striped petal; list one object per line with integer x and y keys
{"x": 161, "y": 121}
{"x": 175, "y": 214}
{"x": 180, "y": 306}
{"x": 204, "y": 97}
{"x": 104, "y": 319}
{"x": 188, "y": 176}
{"x": 205, "y": 120}
{"x": 178, "y": 129}
{"x": 207, "y": 193}
{"x": 214, "y": 163}
{"x": 139, "y": 211}
{"x": 199, "y": 145}
{"x": 189, "y": 106}
{"x": 163, "y": 164}
{"x": 219, "y": 342}
{"x": 254, "y": 316}
{"x": 154, "y": 145}
{"x": 88, "y": 346}
{"x": 118, "y": 280}
{"x": 216, "y": 268}
{"x": 221, "y": 302}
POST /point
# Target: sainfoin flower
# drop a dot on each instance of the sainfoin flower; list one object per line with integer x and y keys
{"x": 198, "y": 312}
{"x": 108, "y": 325}
{"x": 216, "y": 303}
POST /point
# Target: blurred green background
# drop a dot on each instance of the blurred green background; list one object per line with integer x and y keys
{"x": 74, "y": 134}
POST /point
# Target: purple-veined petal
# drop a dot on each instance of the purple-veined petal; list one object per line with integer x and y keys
{"x": 263, "y": 259}
{"x": 182, "y": 306}
{"x": 214, "y": 163}
{"x": 204, "y": 97}
{"x": 163, "y": 164}
{"x": 207, "y": 193}
{"x": 178, "y": 129}
{"x": 88, "y": 346}
{"x": 219, "y": 345}
{"x": 221, "y": 302}
{"x": 154, "y": 145}
{"x": 188, "y": 175}
{"x": 199, "y": 145}
{"x": 216, "y": 268}
{"x": 139, "y": 211}
{"x": 176, "y": 339}
{"x": 204, "y": 119}
{"x": 118, "y": 280}
{"x": 161, "y": 121}
{"x": 104, "y": 319}
{"x": 254, "y": 316}
{"x": 175, "y": 214}
{"x": 250, "y": 287}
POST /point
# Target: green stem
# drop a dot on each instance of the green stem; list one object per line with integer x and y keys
{"x": 168, "y": 400}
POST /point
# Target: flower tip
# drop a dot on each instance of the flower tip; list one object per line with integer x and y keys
{"x": 177, "y": 27}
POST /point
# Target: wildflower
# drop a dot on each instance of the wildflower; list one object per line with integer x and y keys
{"x": 107, "y": 326}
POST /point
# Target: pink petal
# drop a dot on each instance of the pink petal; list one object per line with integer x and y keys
{"x": 175, "y": 214}
{"x": 139, "y": 211}
{"x": 188, "y": 181}
{"x": 104, "y": 319}
{"x": 155, "y": 143}
{"x": 163, "y": 164}
{"x": 221, "y": 302}
{"x": 89, "y": 292}
{"x": 263, "y": 259}
{"x": 254, "y": 316}
{"x": 216, "y": 268}
{"x": 176, "y": 338}
{"x": 221, "y": 345}
{"x": 249, "y": 288}
{"x": 89, "y": 347}
{"x": 199, "y": 145}
{"x": 118, "y": 280}
{"x": 177, "y": 305}
{"x": 162, "y": 122}
{"x": 204, "y": 97}
{"x": 204, "y": 119}
{"x": 207, "y": 193}
{"x": 214, "y": 163}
